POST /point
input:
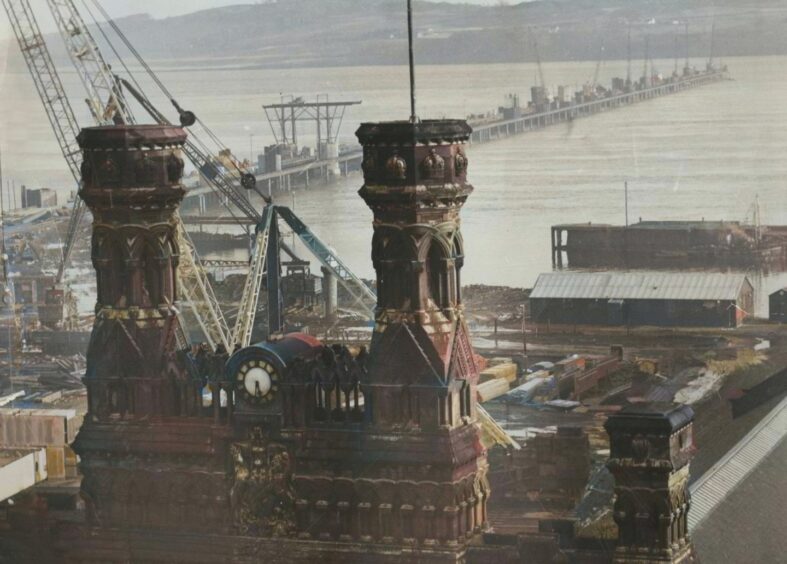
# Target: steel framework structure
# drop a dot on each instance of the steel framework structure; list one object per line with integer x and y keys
{"x": 108, "y": 105}
{"x": 286, "y": 115}
{"x": 105, "y": 99}
{"x": 86, "y": 57}
{"x": 58, "y": 109}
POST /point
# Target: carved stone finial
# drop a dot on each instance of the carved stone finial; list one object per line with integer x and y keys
{"x": 396, "y": 167}
{"x": 433, "y": 166}
{"x": 460, "y": 164}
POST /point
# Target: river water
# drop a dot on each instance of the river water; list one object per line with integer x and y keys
{"x": 705, "y": 152}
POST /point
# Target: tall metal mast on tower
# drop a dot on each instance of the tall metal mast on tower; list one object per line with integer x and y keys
{"x": 413, "y": 115}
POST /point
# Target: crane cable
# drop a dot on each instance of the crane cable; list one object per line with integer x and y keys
{"x": 151, "y": 73}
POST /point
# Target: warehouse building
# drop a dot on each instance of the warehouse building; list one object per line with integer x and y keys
{"x": 39, "y": 198}
{"x": 669, "y": 299}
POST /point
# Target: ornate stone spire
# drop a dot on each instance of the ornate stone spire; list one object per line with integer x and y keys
{"x": 150, "y": 448}
{"x": 131, "y": 183}
{"x": 415, "y": 182}
{"x": 391, "y": 454}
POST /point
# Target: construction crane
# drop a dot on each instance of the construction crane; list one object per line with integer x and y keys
{"x": 58, "y": 109}
{"x": 224, "y": 184}
{"x": 108, "y": 104}
{"x": 244, "y": 321}
{"x": 543, "y": 83}
{"x": 107, "y": 107}
{"x": 8, "y": 297}
{"x": 597, "y": 70}
{"x": 364, "y": 299}
{"x": 105, "y": 100}
{"x": 754, "y": 218}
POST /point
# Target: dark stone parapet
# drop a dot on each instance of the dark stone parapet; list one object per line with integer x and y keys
{"x": 132, "y": 166}
{"x": 658, "y": 418}
{"x": 130, "y": 136}
{"x": 429, "y": 153}
{"x": 430, "y": 131}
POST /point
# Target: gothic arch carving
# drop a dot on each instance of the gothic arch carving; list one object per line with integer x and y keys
{"x": 106, "y": 258}
{"x": 393, "y": 255}
{"x": 437, "y": 269}
{"x": 387, "y": 237}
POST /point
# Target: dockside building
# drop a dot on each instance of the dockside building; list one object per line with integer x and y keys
{"x": 668, "y": 299}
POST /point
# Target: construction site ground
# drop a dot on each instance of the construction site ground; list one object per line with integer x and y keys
{"x": 745, "y": 356}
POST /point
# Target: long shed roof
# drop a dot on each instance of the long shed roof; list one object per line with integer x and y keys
{"x": 639, "y": 285}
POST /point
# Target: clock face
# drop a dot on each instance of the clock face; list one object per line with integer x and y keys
{"x": 257, "y": 379}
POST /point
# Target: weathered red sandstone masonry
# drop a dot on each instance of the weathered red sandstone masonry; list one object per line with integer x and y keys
{"x": 149, "y": 456}
{"x": 411, "y": 472}
{"x": 332, "y": 456}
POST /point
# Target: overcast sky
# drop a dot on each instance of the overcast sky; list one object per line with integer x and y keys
{"x": 161, "y": 9}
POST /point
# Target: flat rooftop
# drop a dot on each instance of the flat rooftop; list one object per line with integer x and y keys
{"x": 658, "y": 225}
{"x": 639, "y": 285}
{"x": 9, "y": 455}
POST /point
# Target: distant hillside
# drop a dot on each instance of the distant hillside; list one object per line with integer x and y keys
{"x": 302, "y": 33}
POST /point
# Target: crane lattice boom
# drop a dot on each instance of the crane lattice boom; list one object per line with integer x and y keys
{"x": 105, "y": 99}
{"x": 244, "y": 323}
{"x": 58, "y": 109}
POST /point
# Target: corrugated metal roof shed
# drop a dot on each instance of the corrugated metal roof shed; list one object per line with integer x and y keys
{"x": 639, "y": 285}
{"x": 732, "y": 470}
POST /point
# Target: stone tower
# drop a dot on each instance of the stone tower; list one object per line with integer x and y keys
{"x": 650, "y": 448}
{"x": 388, "y": 451}
{"x": 150, "y": 449}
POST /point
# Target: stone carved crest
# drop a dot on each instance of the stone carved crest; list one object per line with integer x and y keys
{"x": 262, "y": 496}
{"x": 396, "y": 167}
{"x": 433, "y": 166}
{"x": 460, "y": 164}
